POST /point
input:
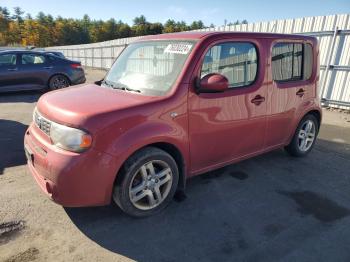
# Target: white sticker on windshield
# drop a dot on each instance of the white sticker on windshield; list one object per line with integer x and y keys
{"x": 178, "y": 49}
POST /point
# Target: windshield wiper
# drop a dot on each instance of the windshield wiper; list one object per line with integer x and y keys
{"x": 120, "y": 86}
{"x": 125, "y": 87}
{"x": 132, "y": 90}
{"x": 107, "y": 83}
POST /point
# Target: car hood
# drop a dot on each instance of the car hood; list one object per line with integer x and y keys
{"x": 87, "y": 106}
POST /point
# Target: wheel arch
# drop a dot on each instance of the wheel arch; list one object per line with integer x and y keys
{"x": 316, "y": 112}
{"x": 179, "y": 159}
{"x": 173, "y": 151}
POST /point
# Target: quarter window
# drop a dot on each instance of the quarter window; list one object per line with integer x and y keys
{"x": 291, "y": 61}
{"x": 236, "y": 61}
{"x": 308, "y": 58}
{"x": 32, "y": 59}
{"x": 8, "y": 59}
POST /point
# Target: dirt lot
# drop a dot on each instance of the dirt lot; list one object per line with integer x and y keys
{"x": 269, "y": 208}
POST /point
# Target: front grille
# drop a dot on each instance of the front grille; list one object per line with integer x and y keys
{"x": 43, "y": 123}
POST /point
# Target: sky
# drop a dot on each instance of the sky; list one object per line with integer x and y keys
{"x": 209, "y": 11}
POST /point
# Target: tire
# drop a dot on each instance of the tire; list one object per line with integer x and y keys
{"x": 135, "y": 191}
{"x": 58, "y": 82}
{"x": 301, "y": 145}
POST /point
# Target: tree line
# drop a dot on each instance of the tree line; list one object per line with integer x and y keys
{"x": 20, "y": 29}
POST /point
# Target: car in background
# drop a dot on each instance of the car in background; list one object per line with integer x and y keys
{"x": 34, "y": 70}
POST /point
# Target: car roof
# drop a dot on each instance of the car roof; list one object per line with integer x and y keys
{"x": 206, "y": 34}
{"x": 24, "y": 51}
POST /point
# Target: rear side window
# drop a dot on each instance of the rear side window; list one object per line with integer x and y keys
{"x": 51, "y": 57}
{"x": 8, "y": 59}
{"x": 32, "y": 59}
{"x": 236, "y": 61}
{"x": 291, "y": 61}
{"x": 308, "y": 61}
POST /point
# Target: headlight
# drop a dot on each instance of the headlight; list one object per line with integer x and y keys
{"x": 69, "y": 138}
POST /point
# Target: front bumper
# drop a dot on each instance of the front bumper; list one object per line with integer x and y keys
{"x": 69, "y": 179}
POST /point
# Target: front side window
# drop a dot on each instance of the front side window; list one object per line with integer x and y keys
{"x": 149, "y": 68}
{"x": 8, "y": 59}
{"x": 291, "y": 61}
{"x": 32, "y": 59}
{"x": 236, "y": 61}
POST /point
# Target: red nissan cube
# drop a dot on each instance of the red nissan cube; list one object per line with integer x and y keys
{"x": 171, "y": 107}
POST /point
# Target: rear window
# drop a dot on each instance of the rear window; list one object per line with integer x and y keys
{"x": 52, "y": 57}
{"x": 291, "y": 61}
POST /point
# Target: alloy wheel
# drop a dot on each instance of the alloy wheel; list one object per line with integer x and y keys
{"x": 150, "y": 185}
{"x": 306, "y": 135}
{"x": 60, "y": 82}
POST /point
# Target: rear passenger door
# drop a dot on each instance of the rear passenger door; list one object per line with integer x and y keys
{"x": 291, "y": 85}
{"x": 227, "y": 126}
{"x": 35, "y": 69}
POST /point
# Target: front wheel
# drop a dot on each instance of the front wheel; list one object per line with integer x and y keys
{"x": 304, "y": 137}
{"x": 146, "y": 183}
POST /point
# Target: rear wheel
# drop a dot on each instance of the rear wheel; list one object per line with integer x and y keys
{"x": 304, "y": 137}
{"x": 58, "y": 82}
{"x": 147, "y": 182}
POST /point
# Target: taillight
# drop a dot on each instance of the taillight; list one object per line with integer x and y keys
{"x": 75, "y": 66}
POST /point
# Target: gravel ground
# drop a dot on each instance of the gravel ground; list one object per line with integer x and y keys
{"x": 269, "y": 208}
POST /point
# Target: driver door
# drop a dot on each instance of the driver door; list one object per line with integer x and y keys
{"x": 230, "y": 125}
{"x": 9, "y": 74}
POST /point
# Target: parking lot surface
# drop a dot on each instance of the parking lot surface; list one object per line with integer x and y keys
{"x": 269, "y": 208}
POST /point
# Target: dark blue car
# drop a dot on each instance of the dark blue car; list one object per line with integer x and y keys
{"x": 33, "y": 70}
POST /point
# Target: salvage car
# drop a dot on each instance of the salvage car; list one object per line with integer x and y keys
{"x": 22, "y": 70}
{"x": 171, "y": 107}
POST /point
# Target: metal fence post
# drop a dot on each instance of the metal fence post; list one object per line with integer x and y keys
{"x": 102, "y": 57}
{"x": 85, "y": 59}
{"x": 328, "y": 60}
{"x": 93, "y": 57}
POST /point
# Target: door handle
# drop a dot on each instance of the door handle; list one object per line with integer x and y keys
{"x": 300, "y": 92}
{"x": 48, "y": 67}
{"x": 258, "y": 100}
{"x": 12, "y": 69}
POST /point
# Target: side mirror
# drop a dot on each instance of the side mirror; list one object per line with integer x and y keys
{"x": 213, "y": 83}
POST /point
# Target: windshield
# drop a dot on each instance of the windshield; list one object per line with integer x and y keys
{"x": 149, "y": 68}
